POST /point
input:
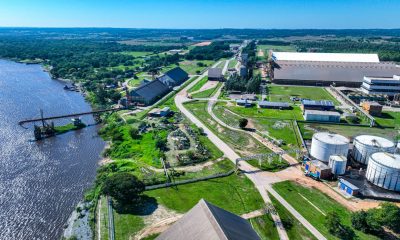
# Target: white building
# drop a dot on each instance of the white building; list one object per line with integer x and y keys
{"x": 326, "y": 57}
{"x": 381, "y": 85}
{"x": 321, "y": 116}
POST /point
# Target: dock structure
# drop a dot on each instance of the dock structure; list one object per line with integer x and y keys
{"x": 67, "y": 115}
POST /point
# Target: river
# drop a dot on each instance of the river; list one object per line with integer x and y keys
{"x": 41, "y": 182}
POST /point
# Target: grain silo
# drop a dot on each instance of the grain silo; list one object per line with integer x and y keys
{"x": 338, "y": 164}
{"x": 366, "y": 145}
{"x": 384, "y": 170}
{"x": 326, "y": 144}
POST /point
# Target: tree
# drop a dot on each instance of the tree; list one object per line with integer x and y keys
{"x": 336, "y": 228}
{"x": 123, "y": 187}
{"x": 359, "y": 221}
{"x": 253, "y": 85}
{"x": 134, "y": 132}
{"x": 243, "y": 122}
{"x": 389, "y": 216}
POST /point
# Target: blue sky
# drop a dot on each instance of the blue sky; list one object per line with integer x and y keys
{"x": 201, "y": 13}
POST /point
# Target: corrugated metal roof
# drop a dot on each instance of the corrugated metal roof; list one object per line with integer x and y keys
{"x": 316, "y": 112}
{"x": 273, "y": 104}
{"x": 174, "y": 77}
{"x": 348, "y": 184}
{"x": 215, "y": 72}
{"x": 206, "y": 221}
{"x": 317, "y": 102}
{"x": 151, "y": 90}
{"x": 332, "y": 71}
{"x": 326, "y": 57}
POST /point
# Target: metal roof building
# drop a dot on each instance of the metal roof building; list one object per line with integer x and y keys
{"x": 267, "y": 104}
{"x": 174, "y": 77}
{"x": 324, "y": 73}
{"x": 149, "y": 92}
{"x": 206, "y": 221}
{"x": 215, "y": 74}
{"x": 326, "y": 57}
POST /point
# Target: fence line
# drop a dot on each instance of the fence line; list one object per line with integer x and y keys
{"x": 164, "y": 185}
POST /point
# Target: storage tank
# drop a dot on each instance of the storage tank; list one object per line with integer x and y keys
{"x": 384, "y": 170}
{"x": 338, "y": 164}
{"x": 366, "y": 145}
{"x": 326, "y": 144}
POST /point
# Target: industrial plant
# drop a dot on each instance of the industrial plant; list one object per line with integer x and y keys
{"x": 368, "y": 166}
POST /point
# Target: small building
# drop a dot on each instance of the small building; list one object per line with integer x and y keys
{"x": 372, "y": 108}
{"x": 244, "y": 102}
{"x": 149, "y": 93}
{"x": 347, "y": 187}
{"x": 322, "y": 105}
{"x": 174, "y": 77}
{"x": 321, "y": 116}
{"x": 251, "y": 97}
{"x": 381, "y": 85}
{"x": 156, "y": 112}
{"x": 206, "y": 221}
{"x": 215, "y": 74}
{"x": 317, "y": 169}
{"x": 274, "y": 105}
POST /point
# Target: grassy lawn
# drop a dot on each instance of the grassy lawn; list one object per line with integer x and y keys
{"x": 274, "y": 165}
{"x": 207, "y": 93}
{"x": 103, "y": 218}
{"x": 294, "y": 229}
{"x": 294, "y": 194}
{"x": 198, "y": 85}
{"x": 234, "y": 193}
{"x": 251, "y": 112}
{"x": 266, "y": 48}
{"x": 265, "y": 227}
{"x": 221, "y": 64}
{"x": 137, "y": 54}
{"x": 232, "y": 63}
{"x": 283, "y": 93}
{"x": 389, "y": 119}
{"x": 191, "y": 67}
{"x": 308, "y": 129}
{"x": 126, "y": 225}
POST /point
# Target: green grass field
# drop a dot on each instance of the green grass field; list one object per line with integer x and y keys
{"x": 265, "y": 227}
{"x": 389, "y": 119}
{"x": 294, "y": 229}
{"x": 266, "y": 48}
{"x": 191, "y": 67}
{"x": 308, "y": 129}
{"x": 232, "y": 63}
{"x": 283, "y": 93}
{"x": 251, "y": 112}
{"x": 234, "y": 193}
{"x": 207, "y": 93}
{"x": 198, "y": 85}
{"x": 294, "y": 194}
{"x": 126, "y": 225}
{"x": 137, "y": 54}
{"x": 103, "y": 218}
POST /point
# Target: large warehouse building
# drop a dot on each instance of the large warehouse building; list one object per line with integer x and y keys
{"x": 323, "y": 69}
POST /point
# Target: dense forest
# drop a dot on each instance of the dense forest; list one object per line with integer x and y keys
{"x": 214, "y": 51}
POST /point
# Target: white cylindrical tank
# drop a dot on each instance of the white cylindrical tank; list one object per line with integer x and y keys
{"x": 366, "y": 145}
{"x": 384, "y": 170}
{"x": 326, "y": 144}
{"x": 338, "y": 164}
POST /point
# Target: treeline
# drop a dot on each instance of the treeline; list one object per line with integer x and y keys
{"x": 386, "y": 51}
{"x": 274, "y": 42}
{"x": 214, "y": 51}
{"x": 237, "y": 83}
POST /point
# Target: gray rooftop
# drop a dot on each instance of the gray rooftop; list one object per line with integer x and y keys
{"x": 215, "y": 72}
{"x": 316, "y": 112}
{"x": 273, "y": 104}
{"x": 208, "y": 222}
{"x": 332, "y": 71}
{"x": 151, "y": 90}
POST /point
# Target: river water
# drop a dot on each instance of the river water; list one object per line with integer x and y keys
{"x": 41, "y": 182}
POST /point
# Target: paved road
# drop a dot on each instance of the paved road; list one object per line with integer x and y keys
{"x": 260, "y": 179}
